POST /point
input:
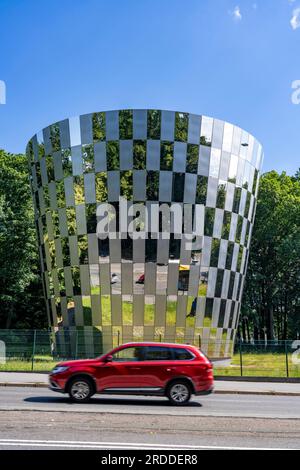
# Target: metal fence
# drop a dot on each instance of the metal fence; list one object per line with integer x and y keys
{"x": 40, "y": 350}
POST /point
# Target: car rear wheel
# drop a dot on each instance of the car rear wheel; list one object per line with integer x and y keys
{"x": 81, "y": 390}
{"x": 179, "y": 393}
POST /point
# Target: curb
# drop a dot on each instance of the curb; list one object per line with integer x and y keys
{"x": 25, "y": 384}
{"x": 218, "y": 392}
{"x": 232, "y": 378}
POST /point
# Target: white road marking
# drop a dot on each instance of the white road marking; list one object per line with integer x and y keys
{"x": 117, "y": 445}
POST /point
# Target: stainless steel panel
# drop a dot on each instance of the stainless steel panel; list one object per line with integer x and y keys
{"x": 47, "y": 141}
{"x": 100, "y": 156}
{"x": 180, "y": 149}
{"x": 217, "y": 139}
{"x": 77, "y": 160}
{"x": 89, "y": 188}
{"x": 223, "y": 254}
{"x": 167, "y": 125}
{"x": 126, "y": 156}
{"x": 150, "y": 278}
{"x": 194, "y": 129}
{"x": 219, "y": 215}
{"x": 140, "y": 124}
{"x": 80, "y": 219}
{"x": 64, "y": 134}
{"x": 85, "y": 280}
{"x": 172, "y": 275}
{"x": 204, "y": 160}
{"x": 190, "y": 188}
{"x": 116, "y": 310}
{"x": 93, "y": 248}
{"x": 86, "y": 129}
{"x": 160, "y": 310}
{"x": 212, "y": 188}
{"x": 127, "y": 278}
{"x": 73, "y": 250}
{"x": 165, "y": 186}
{"x": 75, "y": 134}
{"x": 139, "y": 185}
{"x": 153, "y": 155}
{"x": 69, "y": 191}
{"x": 113, "y": 184}
{"x": 112, "y": 125}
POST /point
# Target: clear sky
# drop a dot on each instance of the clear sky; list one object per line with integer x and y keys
{"x": 230, "y": 59}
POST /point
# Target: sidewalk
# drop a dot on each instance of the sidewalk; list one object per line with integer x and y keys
{"x": 28, "y": 379}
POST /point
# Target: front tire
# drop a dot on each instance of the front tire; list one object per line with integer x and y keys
{"x": 179, "y": 393}
{"x": 80, "y": 390}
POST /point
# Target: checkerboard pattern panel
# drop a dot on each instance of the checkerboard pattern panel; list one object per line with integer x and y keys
{"x": 147, "y": 289}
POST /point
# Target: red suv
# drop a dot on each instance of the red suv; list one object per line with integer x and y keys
{"x": 173, "y": 370}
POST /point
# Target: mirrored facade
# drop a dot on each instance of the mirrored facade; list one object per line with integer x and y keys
{"x": 149, "y": 288}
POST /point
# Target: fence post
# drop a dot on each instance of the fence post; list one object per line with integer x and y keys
{"x": 33, "y": 349}
{"x": 286, "y": 359}
{"x": 118, "y": 337}
{"x": 160, "y": 337}
{"x": 241, "y": 358}
{"x": 76, "y": 345}
{"x": 199, "y": 339}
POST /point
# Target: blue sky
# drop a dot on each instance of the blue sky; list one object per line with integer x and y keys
{"x": 235, "y": 60}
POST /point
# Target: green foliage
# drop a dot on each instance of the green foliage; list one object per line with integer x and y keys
{"x": 167, "y": 155}
{"x": 271, "y": 301}
{"x": 21, "y": 296}
{"x": 181, "y": 127}
{"x": 139, "y": 155}
{"x": 126, "y": 124}
{"x": 154, "y": 124}
{"x": 98, "y": 120}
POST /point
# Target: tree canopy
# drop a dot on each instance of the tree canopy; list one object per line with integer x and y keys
{"x": 21, "y": 295}
{"x": 271, "y": 303}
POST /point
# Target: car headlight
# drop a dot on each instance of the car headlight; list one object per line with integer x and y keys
{"x": 59, "y": 369}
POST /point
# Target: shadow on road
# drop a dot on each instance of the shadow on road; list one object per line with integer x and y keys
{"x": 109, "y": 401}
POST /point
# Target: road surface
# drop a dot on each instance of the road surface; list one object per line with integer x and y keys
{"x": 36, "y": 418}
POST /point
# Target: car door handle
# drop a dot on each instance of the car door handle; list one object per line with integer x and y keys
{"x": 169, "y": 369}
{"x": 134, "y": 368}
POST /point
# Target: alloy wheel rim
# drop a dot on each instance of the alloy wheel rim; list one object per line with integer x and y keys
{"x": 80, "y": 390}
{"x": 179, "y": 393}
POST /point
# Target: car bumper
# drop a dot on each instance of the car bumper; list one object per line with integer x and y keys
{"x": 54, "y": 386}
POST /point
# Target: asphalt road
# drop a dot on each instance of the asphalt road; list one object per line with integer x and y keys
{"x": 36, "y": 418}
{"x": 251, "y": 406}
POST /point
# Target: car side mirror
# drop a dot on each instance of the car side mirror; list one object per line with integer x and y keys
{"x": 108, "y": 358}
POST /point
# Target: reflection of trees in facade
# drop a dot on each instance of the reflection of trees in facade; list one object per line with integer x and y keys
{"x": 154, "y": 124}
{"x": 98, "y": 121}
{"x": 143, "y": 156}
{"x": 166, "y": 155}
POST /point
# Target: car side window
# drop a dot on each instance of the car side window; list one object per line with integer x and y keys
{"x": 129, "y": 354}
{"x": 157, "y": 353}
{"x": 182, "y": 354}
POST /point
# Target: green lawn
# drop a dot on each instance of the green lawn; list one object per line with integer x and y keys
{"x": 260, "y": 365}
{"x": 44, "y": 364}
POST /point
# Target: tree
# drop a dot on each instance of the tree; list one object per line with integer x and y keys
{"x": 272, "y": 291}
{"x": 21, "y": 296}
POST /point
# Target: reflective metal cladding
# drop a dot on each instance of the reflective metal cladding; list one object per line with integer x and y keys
{"x": 163, "y": 284}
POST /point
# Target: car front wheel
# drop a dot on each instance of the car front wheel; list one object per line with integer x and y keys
{"x": 80, "y": 390}
{"x": 179, "y": 393}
